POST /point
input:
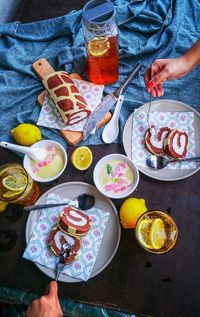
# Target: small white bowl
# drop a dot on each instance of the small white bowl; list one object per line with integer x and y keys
{"x": 98, "y": 173}
{"x": 45, "y": 143}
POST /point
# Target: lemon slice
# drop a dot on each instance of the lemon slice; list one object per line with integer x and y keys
{"x": 98, "y": 46}
{"x": 82, "y": 158}
{"x": 143, "y": 231}
{"x": 15, "y": 183}
{"x": 157, "y": 234}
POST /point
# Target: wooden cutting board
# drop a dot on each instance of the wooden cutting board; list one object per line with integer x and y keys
{"x": 42, "y": 68}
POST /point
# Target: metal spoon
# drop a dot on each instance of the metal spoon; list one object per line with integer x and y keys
{"x": 84, "y": 202}
{"x": 111, "y": 130}
{"x": 158, "y": 162}
{"x": 37, "y": 153}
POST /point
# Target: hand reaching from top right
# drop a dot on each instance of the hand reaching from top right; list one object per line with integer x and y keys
{"x": 169, "y": 69}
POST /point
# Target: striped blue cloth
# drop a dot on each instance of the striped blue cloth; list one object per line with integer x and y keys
{"x": 148, "y": 30}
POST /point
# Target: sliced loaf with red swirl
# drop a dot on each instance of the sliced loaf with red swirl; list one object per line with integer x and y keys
{"x": 64, "y": 244}
{"x": 176, "y": 144}
{"x": 66, "y": 97}
{"x": 154, "y": 139}
{"x": 74, "y": 222}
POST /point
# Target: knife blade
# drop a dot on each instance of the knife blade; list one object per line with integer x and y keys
{"x": 108, "y": 102}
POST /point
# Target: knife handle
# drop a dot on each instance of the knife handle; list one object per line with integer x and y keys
{"x": 127, "y": 81}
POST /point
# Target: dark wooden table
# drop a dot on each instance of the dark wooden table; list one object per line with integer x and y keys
{"x": 135, "y": 281}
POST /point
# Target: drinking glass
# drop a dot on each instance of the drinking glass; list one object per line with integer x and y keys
{"x": 156, "y": 232}
{"x": 17, "y": 186}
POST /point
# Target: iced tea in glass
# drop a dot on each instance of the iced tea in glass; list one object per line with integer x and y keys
{"x": 101, "y": 39}
{"x": 156, "y": 232}
{"x": 17, "y": 186}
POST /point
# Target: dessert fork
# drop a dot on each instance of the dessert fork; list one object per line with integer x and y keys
{"x": 65, "y": 252}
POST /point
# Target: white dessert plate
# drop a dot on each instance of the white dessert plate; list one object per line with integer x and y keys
{"x": 112, "y": 234}
{"x": 165, "y": 106}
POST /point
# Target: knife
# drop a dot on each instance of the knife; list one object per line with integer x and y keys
{"x": 107, "y": 103}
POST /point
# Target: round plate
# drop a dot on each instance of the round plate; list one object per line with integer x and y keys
{"x": 165, "y": 106}
{"x": 112, "y": 232}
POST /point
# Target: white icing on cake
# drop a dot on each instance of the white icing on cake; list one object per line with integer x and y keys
{"x": 81, "y": 221}
{"x": 58, "y": 236}
{"x": 179, "y": 149}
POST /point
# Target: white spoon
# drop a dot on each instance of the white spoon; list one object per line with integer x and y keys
{"x": 37, "y": 153}
{"x": 111, "y": 130}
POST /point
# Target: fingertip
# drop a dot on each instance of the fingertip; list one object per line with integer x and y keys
{"x": 53, "y": 288}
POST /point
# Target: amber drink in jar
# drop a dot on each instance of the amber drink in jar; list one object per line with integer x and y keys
{"x": 101, "y": 40}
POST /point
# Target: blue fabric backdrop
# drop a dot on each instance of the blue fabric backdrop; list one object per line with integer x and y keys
{"x": 147, "y": 30}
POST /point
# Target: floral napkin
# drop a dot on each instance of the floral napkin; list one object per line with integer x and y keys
{"x": 173, "y": 120}
{"x": 38, "y": 249}
{"x": 50, "y": 117}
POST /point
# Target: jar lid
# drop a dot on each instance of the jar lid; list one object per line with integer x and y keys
{"x": 98, "y": 11}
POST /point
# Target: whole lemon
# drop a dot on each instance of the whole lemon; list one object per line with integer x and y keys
{"x": 26, "y": 134}
{"x": 130, "y": 210}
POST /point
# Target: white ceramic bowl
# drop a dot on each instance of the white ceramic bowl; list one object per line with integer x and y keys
{"x": 97, "y": 174}
{"x": 45, "y": 143}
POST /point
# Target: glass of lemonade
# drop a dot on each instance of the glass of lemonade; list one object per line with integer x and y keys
{"x": 156, "y": 232}
{"x": 17, "y": 186}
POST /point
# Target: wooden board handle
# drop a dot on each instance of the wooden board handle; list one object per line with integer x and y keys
{"x": 42, "y": 68}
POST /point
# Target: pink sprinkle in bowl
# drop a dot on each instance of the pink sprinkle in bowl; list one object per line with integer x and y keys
{"x": 116, "y": 176}
{"x": 53, "y": 147}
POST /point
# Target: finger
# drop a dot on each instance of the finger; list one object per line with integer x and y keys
{"x": 52, "y": 289}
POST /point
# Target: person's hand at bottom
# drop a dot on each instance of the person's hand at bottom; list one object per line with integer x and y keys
{"x": 47, "y": 305}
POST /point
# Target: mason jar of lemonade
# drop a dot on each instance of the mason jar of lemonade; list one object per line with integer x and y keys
{"x": 17, "y": 186}
{"x": 101, "y": 40}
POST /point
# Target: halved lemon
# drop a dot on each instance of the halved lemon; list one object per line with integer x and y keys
{"x": 143, "y": 231}
{"x": 15, "y": 182}
{"x": 98, "y": 46}
{"x": 157, "y": 234}
{"x": 82, "y": 158}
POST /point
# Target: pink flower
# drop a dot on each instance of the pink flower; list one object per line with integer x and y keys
{"x": 54, "y": 218}
{"x": 42, "y": 227}
{"x": 97, "y": 233}
{"x": 34, "y": 249}
{"x": 85, "y": 242}
{"x": 48, "y": 254}
{"x": 141, "y": 129}
{"x": 77, "y": 266}
{"x": 161, "y": 117}
{"x": 183, "y": 117}
{"x": 46, "y": 240}
{"x": 89, "y": 256}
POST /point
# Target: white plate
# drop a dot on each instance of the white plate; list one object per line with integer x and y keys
{"x": 166, "y": 106}
{"x": 112, "y": 232}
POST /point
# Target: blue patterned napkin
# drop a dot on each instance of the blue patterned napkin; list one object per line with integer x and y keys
{"x": 38, "y": 249}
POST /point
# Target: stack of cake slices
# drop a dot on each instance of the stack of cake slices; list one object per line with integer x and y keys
{"x": 65, "y": 237}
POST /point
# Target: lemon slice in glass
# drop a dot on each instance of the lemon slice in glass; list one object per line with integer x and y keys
{"x": 15, "y": 182}
{"x": 98, "y": 46}
{"x": 143, "y": 231}
{"x": 82, "y": 158}
{"x": 157, "y": 234}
